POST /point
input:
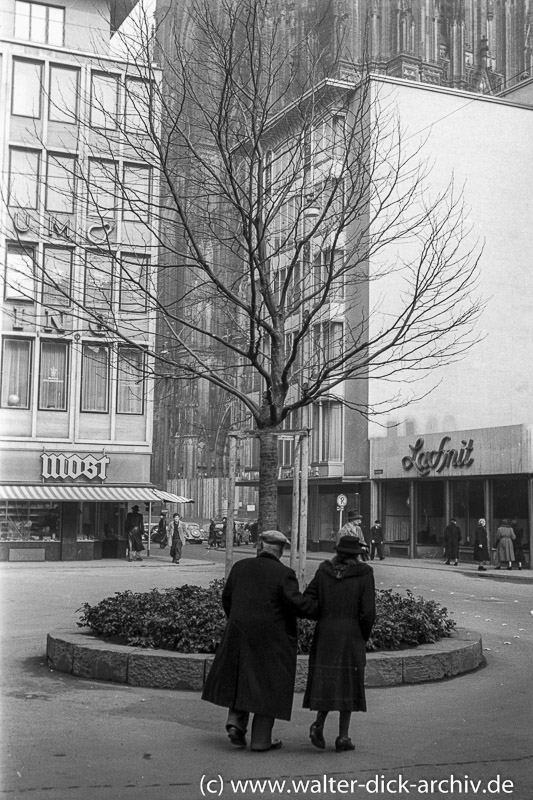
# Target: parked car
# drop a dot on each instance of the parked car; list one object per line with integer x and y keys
{"x": 194, "y": 533}
{"x": 145, "y": 531}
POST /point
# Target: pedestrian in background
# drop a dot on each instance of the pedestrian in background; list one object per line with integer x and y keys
{"x": 376, "y": 541}
{"x": 481, "y": 545}
{"x": 177, "y": 533}
{"x": 518, "y": 544}
{"x": 212, "y": 535}
{"x": 134, "y": 534}
{"x": 255, "y": 664}
{"x": 504, "y": 544}
{"x": 345, "y": 592}
{"x": 161, "y": 534}
{"x": 452, "y": 540}
{"x": 353, "y": 528}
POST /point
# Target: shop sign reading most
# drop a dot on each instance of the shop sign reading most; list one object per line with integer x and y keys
{"x": 426, "y": 460}
{"x": 61, "y": 465}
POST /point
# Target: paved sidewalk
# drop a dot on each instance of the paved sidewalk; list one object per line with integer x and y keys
{"x": 199, "y": 557}
{"x": 67, "y": 738}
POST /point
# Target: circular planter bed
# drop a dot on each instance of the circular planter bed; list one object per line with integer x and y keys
{"x": 86, "y": 656}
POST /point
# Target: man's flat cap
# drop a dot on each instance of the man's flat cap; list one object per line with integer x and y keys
{"x": 274, "y": 537}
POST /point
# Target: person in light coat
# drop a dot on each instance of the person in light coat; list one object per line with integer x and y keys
{"x": 504, "y": 544}
{"x": 177, "y": 538}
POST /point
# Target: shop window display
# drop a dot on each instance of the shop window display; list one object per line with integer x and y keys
{"x": 29, "y": 522}
{"x": 396, "y": 512}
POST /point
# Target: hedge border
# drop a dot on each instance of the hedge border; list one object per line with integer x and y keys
{"x": 86, "y": 656}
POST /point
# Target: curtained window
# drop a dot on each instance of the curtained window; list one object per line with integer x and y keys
{"x": 53, "y": 376}
{"x": 95, "y": 378}
{"x": 326, "y": 441}
{"x": 16, "y": 373}
{"x": 130, "y": 381}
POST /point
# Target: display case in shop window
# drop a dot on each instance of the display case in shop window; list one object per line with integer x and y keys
{"x": 29, "y": 521}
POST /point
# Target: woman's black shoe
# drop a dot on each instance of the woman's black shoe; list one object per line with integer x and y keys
{"x": 317, "y": 736}
{"x": 344, "y": 743}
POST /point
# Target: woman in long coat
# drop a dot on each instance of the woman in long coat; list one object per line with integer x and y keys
{"x": 504, "y": 543}
{"x": 134, "y": 532}
{"x": 452, "y": 540}
{"x": 481, "y": 546}
{"x": 344, "y": 589}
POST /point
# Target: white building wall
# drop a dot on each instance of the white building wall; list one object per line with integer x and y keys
{"x": 485, "y": 145}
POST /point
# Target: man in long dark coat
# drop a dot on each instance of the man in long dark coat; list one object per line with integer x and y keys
{"x": 255, "y": 665}
{"x": 452, "y": 540}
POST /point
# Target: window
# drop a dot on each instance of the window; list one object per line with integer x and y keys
{"x": 63, "y": 94}
{"x": 104, "y": 100}
{"x": 16, "y": 373}
{"x": 26, "y": 94}
{"x": 130, "y": 381}
{"x": 98, "y": 280}
{"x": 331, "y": 431}
{"x": 136, "y": 190}
{"x": 20, "y": 274}
{"x": 60, "y": 183}
{"x": 326, "y": 440}
{"x": 95, "y": 378}
{"x": 137, "y": 106}
{"x": 328, "y": 265}
{"x": 328, "y": 340}
{"x": 57, "y": 276}
{"x": 101, "y": 190}
{"x": 39, "y": 23}
{"x": 133, "y": 282}
{"x": 23, "y": 178}
{"x": 53, "y": 376}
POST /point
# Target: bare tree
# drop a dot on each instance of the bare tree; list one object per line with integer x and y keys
{"x": 300, "y": 253}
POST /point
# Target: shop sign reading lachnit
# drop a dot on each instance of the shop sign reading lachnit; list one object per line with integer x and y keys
{"x": 426, "y": 460}
{"x": 61, "y": 465}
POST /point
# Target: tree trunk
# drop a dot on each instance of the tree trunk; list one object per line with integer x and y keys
{"x": 268, "y": 480}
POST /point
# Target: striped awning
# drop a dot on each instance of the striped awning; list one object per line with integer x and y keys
{"x": 95, "y": 494}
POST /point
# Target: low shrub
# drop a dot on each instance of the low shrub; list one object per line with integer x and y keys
{"x": 190, "y": 619}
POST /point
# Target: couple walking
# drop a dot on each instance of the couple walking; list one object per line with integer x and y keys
{"x": 254, "y": 668}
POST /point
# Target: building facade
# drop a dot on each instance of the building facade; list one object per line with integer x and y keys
{"x": 463, "y": 448}
{"x": 76, "y": 403}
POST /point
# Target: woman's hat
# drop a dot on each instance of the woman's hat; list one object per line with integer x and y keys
{"x": 135, "y": 508}
{"x": 349, "y": 545}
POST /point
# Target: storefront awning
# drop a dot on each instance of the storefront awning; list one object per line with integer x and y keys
{"x": 62, "y": 493}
